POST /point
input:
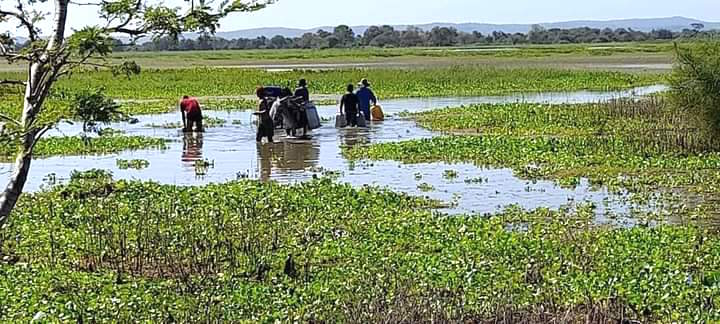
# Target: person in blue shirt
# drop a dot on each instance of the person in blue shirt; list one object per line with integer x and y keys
{"x": 365, "y": 97}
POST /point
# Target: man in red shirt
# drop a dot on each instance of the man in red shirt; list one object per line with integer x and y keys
{"x": 191, "y": 114}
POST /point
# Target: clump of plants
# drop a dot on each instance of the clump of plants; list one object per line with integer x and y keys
{"x": 136, "y": 164}
{"x": 207, "y": 122}
{"x": 203, "y": 166}
{"x": 450, "y": 174}
{"x": 324, "y": 251}
{"x": 425, "y": 187}
{"x": 93, "y": 108}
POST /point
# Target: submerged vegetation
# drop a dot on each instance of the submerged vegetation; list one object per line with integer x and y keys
{"x": 136, "y": 164}
{"x": 251, "y": 251}
{"x": 644, "y": 146}
{"x": 210, "y": 122}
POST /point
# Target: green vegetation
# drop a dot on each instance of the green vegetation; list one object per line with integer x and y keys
{"x": 454, "y": 81}
{"x": 93, "y": 107}
{"x": 203, "y": 166}
{"x": 696, "y": 82}
{"x": 77, "y": 145}
{"x": 251, "y": 251}
{"x": 459, "y": 81}
{"x": 158, "y": 91}
{"x": 208, "y": 122}
{"x": 450, "y": 174}
{"x": 425, "y": 187}
{"x": 132, "y": 164}
{"x": 642, "y": 146}
{"x": 234, "y": 57}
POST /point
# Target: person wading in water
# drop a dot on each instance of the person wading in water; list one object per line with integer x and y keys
{"x": 266, "y": 127}
{"x": 191, "y": 114}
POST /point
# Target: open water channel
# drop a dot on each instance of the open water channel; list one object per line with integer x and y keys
{"x": 235, "y": 154}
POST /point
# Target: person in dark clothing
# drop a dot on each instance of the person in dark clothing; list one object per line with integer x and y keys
{"x": 350, "y": 102}
{"x": 302, "y": 90}
{"x": 191, "y": 114}
{"x": 265, "y": 123}
{"x": 365, "y": 96}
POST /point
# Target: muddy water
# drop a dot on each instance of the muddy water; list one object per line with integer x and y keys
{"x": 234, "y": 153}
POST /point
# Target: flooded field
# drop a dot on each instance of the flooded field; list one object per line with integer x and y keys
{"x": 233, "y": 154}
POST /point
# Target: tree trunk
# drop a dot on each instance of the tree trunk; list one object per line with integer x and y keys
{"x": 34, "y": 98}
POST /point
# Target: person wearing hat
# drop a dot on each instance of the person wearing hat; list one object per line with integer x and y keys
{"x": 365, "y": 97}
{"x": 302, "y": 90}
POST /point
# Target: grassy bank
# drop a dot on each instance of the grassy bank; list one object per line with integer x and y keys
{"x": 388, "y": 83}
{"x": 559, "y": 55}
{"x": 76, "y": 145}
{"x": 158, "y": 91}
{"x": 247, "y": 251}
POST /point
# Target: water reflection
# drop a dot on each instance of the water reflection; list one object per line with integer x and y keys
{"x": 192, "y": 148}
{"x": 286, "y": 156}
{"x": 351, "y": 136}
{"x": 234, "y": 151}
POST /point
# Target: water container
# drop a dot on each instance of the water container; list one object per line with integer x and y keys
{"x": 312, "y": 116}
{"x": 272, "y": 91}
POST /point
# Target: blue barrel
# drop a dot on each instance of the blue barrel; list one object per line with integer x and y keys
{"x": 273, "y": 91}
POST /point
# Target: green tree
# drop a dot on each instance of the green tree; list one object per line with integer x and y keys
{"x": 54, "y": 55}
{"x": 695, "y": 82}
{"x": 344, "y": 35}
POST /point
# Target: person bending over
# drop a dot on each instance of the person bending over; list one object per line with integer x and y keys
{"x": 191, "y": 114}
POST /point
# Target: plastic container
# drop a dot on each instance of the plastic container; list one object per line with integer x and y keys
{"x": 312, "y": 116}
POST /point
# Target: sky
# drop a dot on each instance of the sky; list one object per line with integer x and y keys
{"x": 314, "y": 13}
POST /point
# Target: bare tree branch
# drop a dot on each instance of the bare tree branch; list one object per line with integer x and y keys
{"x": 23, "y": 19}
{"x": 39, "y": 135}
{"x": 10, "y": 119}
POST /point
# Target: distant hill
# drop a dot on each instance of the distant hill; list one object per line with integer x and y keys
{"x": 646, "y": 25}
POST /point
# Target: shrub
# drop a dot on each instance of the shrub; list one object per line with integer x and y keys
{"x": 695, "y": 81}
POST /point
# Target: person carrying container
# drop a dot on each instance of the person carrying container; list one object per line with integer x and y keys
{"x": 191, "y": 114}
{"x": 365, "y": 97}
{"x": 349, "y": 101}
{"x": 265, "y": 127}
{"x": 302, "y": 90}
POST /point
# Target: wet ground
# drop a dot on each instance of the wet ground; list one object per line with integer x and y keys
{"x": 234, "y": 154}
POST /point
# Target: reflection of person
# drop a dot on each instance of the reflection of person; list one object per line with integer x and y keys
{"x": 266, "y": 127}
{"x": 286, "y": 157}
{"x": 349, "y": 102}
{"x": 191, "y": 114}
{"x": 265, "y": 157}
{"x": 192, "y": 147}
{"x": 365, "y": 96}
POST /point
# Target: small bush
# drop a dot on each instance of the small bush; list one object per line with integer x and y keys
{"x": 93, "y": 107}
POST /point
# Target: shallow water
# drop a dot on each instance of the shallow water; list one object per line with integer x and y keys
{"x": 235, "y": 154}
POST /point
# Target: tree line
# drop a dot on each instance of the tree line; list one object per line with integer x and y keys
{"x": 387, "y": 36}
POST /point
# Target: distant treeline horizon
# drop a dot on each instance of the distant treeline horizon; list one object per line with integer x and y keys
{"x": 388, "y": 37}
